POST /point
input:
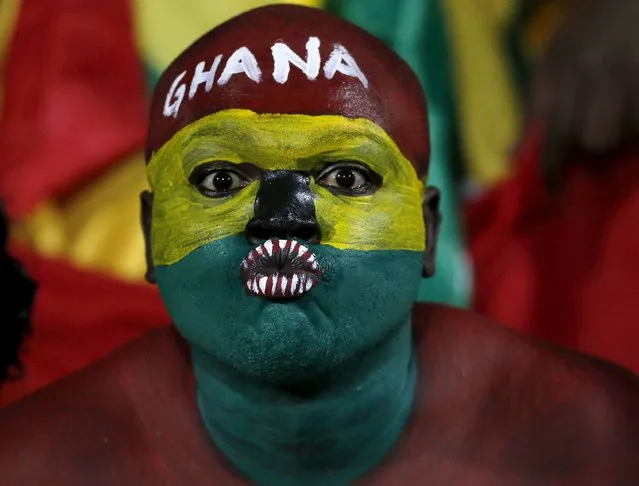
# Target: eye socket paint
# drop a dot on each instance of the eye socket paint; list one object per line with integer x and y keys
{"x": 184, "y": 219}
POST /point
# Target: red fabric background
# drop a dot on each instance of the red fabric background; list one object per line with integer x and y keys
{"x": 563, "y": 269}
{"x": 79, "y": 317}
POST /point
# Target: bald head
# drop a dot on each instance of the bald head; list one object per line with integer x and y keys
{"x": 292, "y": 60}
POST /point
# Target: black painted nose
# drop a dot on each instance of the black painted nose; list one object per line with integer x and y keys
{"x": 284, "y": 208}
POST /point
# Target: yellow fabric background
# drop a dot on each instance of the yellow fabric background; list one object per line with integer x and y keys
{"x": 488, "y": 107}
{"x": 487, "y": 104}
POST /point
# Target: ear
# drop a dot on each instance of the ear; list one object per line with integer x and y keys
{"x": 433, "y": 221}
{"x": 146, "y": 210}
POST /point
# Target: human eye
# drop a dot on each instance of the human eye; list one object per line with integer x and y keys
{"x": 349, "y": 178}
{"x": 218, "y": 179}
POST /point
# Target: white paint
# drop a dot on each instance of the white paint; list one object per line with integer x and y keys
{"x": 283, "y": 57}
{"x": 309, "y": 284}
{"x": 301, "y": 250}
{"x": 341, "y": 61}
{"x": 201, "y": 76}
{"x": 263, "y": 281}
{"x": 294, "y": 281}
{"x": 284, "y": 282}
{"x": 241, "y": 61}
{"x": 282, "y": 244}
{"x": 268, "y": 245}
{"x": 172, "y": 108}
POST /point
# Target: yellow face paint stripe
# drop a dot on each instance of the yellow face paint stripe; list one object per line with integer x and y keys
{"x": 184, "y": 219}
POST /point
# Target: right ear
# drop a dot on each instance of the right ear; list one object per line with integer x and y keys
{"x": 146, "y": 210}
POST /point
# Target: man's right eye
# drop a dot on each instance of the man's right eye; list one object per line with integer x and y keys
{"x": 219, "y": 182}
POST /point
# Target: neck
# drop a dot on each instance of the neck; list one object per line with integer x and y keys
{"x": 330, "y": 436}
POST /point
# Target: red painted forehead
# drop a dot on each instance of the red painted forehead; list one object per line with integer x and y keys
{"x": 289, "y": 59}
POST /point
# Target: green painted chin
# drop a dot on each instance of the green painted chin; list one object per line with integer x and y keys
{"x": 364, "y": 297}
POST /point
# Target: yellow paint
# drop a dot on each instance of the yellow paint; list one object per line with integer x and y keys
{"x": 164, "y": 28}
{"x": 184, "y": 219}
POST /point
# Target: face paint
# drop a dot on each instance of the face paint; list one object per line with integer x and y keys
{"x": 389, "y": 218}
{"x": 265, "y": 260}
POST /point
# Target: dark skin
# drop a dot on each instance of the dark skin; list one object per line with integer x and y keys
{"x": 586, "y": 92}
{"x": 493, "y": 408}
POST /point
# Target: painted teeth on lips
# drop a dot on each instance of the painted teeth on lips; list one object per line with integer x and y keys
{"x": 280, "y": 269}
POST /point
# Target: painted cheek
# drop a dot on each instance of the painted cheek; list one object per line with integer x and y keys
{"x": 390, "y": 219}
{"x": 184, "y": 220}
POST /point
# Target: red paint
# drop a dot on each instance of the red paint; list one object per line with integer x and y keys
{"x": 493, "y": 408}
{"x": 393, "y": 100}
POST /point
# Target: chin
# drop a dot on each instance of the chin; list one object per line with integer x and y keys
{"x": 288, "y": 343}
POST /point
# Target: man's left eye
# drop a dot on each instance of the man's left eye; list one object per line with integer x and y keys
{"x": 347, "y": 179}
{"x": 221, "y": 183}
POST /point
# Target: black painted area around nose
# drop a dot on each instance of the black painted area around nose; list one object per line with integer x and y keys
{"x": 284, "y": 208}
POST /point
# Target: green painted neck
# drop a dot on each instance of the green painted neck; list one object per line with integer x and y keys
{"x": 332, "y": 433}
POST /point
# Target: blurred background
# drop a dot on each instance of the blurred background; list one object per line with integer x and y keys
{"x": 534, "y": 116}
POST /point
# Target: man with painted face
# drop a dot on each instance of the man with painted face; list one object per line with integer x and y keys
{"x": 288, "y": 228}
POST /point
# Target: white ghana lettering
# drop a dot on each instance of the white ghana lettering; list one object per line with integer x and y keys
{"x": 243, "y": 62}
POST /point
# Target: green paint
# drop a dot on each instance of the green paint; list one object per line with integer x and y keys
{"x": 347, "y": 343}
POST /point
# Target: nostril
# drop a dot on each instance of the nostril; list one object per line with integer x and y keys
{"x": 261, "y": 229}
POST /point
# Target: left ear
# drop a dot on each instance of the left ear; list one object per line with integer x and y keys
{"x": 433, "y": 221}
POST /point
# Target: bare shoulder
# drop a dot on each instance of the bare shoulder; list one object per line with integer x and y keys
{"x": 89, "y": 419}
{"x": 559, "y": 408}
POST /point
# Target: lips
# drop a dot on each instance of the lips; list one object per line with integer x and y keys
{"x": 280, "y": 269}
